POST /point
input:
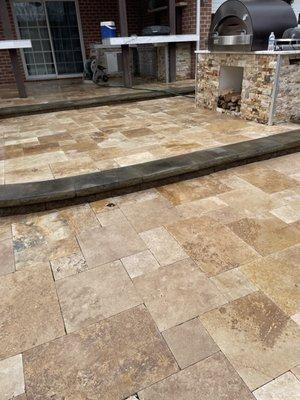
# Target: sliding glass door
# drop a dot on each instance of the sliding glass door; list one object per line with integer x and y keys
{"x": 53, "y": 29}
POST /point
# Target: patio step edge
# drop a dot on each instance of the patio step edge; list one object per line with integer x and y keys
{"x": 44, "y": 195}
{"x": 62, "y": 105}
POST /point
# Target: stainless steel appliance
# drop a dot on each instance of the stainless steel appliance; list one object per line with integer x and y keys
{"x": 245, "y": 25}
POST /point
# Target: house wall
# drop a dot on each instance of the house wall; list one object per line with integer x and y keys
{"x": 92, "y": 12}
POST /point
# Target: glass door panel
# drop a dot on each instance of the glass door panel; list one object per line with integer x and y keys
{"x": 32, "y": 24}
{"x": 63, "y": 24}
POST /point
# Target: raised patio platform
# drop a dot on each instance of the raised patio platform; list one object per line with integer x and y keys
{"x": 51, "y": 96}
{"x": 70, "y": 190}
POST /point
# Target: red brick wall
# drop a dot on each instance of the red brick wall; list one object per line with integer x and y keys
{"x": 6, "y": 74}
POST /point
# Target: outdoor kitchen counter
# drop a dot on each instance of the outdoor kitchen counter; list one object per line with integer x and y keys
{"x": 266, "y": 82}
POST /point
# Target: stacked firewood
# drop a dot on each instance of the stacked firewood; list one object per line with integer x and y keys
{"x": 229, "y": 100}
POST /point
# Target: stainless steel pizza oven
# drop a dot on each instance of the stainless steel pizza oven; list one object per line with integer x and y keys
{"x": 245, "y": 25}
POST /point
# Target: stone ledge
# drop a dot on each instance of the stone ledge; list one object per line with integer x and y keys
{"x": 136, "y": 95}
{"x": 76, "y": 189}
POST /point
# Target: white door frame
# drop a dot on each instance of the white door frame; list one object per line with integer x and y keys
{"x": 56, "y": 75}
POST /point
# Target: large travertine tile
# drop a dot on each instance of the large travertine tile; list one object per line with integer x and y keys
{"x": 278, "y": 276}
{"x": 250, "y": 199}
{"x": 233, "y": 284}
{"x": 177, "y": 293}
{"x": 288, "y": 213}
{"x": 29, "y": 312}
{"x": 7, "y": 263}
{"x": 296, "y": 371}
{"x": 285, "y": 387}
{"x": 197, "y": 207}
{"x": 11, "y": 378}
{"x": 195, "y": 189}
{"x": 33, "y": 174}
{"x": 105, "y": 244}
{"x": 212, "y": 245}
{"x": 96, "y": 294}
{"x": 108, "y": 360}
{"x": 260, "y": 341}
{"x": 140, "y": 263}
{"x": 78, "y": 218}
{"x": 268, "y": 180}
{"x": 42, "y": 237}
{"x": 190, "y": 343}
{"x": 210, "y": 379}
{"x": 146, "y": 215}
{"x": 164, "y": 247}
{"x": 266, "y": 234}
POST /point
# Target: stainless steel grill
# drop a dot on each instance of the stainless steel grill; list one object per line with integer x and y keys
{"x": 245, "y": 25}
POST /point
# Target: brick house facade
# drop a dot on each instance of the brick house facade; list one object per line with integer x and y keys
{"x": 91, "y": 12}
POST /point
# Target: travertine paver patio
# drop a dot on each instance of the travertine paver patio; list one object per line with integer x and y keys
{"x": 186, "y": 291}
{"x": 67, "y": 143}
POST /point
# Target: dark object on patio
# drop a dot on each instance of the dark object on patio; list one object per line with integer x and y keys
{"x": 156, "y": 30}
{"x": 245, "y": 25}
{"x": 94, "y": 71}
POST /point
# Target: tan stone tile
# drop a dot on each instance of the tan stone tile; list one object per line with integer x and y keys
{"x": 42, "y": 237}
{"x": 103, "y": 205}
{"x": 112, "y": 359}
{"x": 33, "y": 174}
{"x": 109, "y": 243}
{"x": 113, "y": 216}
{"x": 194, "y": 189}
{"x": 259, "y": 340}
{"x": 79, "y": 166}
{"x": 253, "y": 200}
{"x": 29, "y": 312}
{"x": 5, "y": 228}
{"x": 268, "y": 180}
{"x": 190, "y": 343}
{"x": 296, "y": 371}
{"x": 140, "y": 263}
{"x": 285, "y": 387}
{"x": 11, "y": 377}
{"x": 226, "y": 215}
{"x": 233, "y": 284}
{"x": 95, "y": 295}
{"x": 67, "y": 266}
{"x": 296, "y": 318}
{"x": 177, "y": 293}
{"x": 265, "y": 234}
{"x": 212, "y": 245}
{"x": 210, "y": 379}
{"x": 137, "y": 197}
{"x": 278, "y": 276}
{"x": 163, "y": 246}
{"x": 78, "y": 218}
{"x": 142, "y": 157}
{"x": 289, "y": 213}
{"x": 197, "y": 207}
{"x": 146, "y": 215}
{"x": 7, "y": 263}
